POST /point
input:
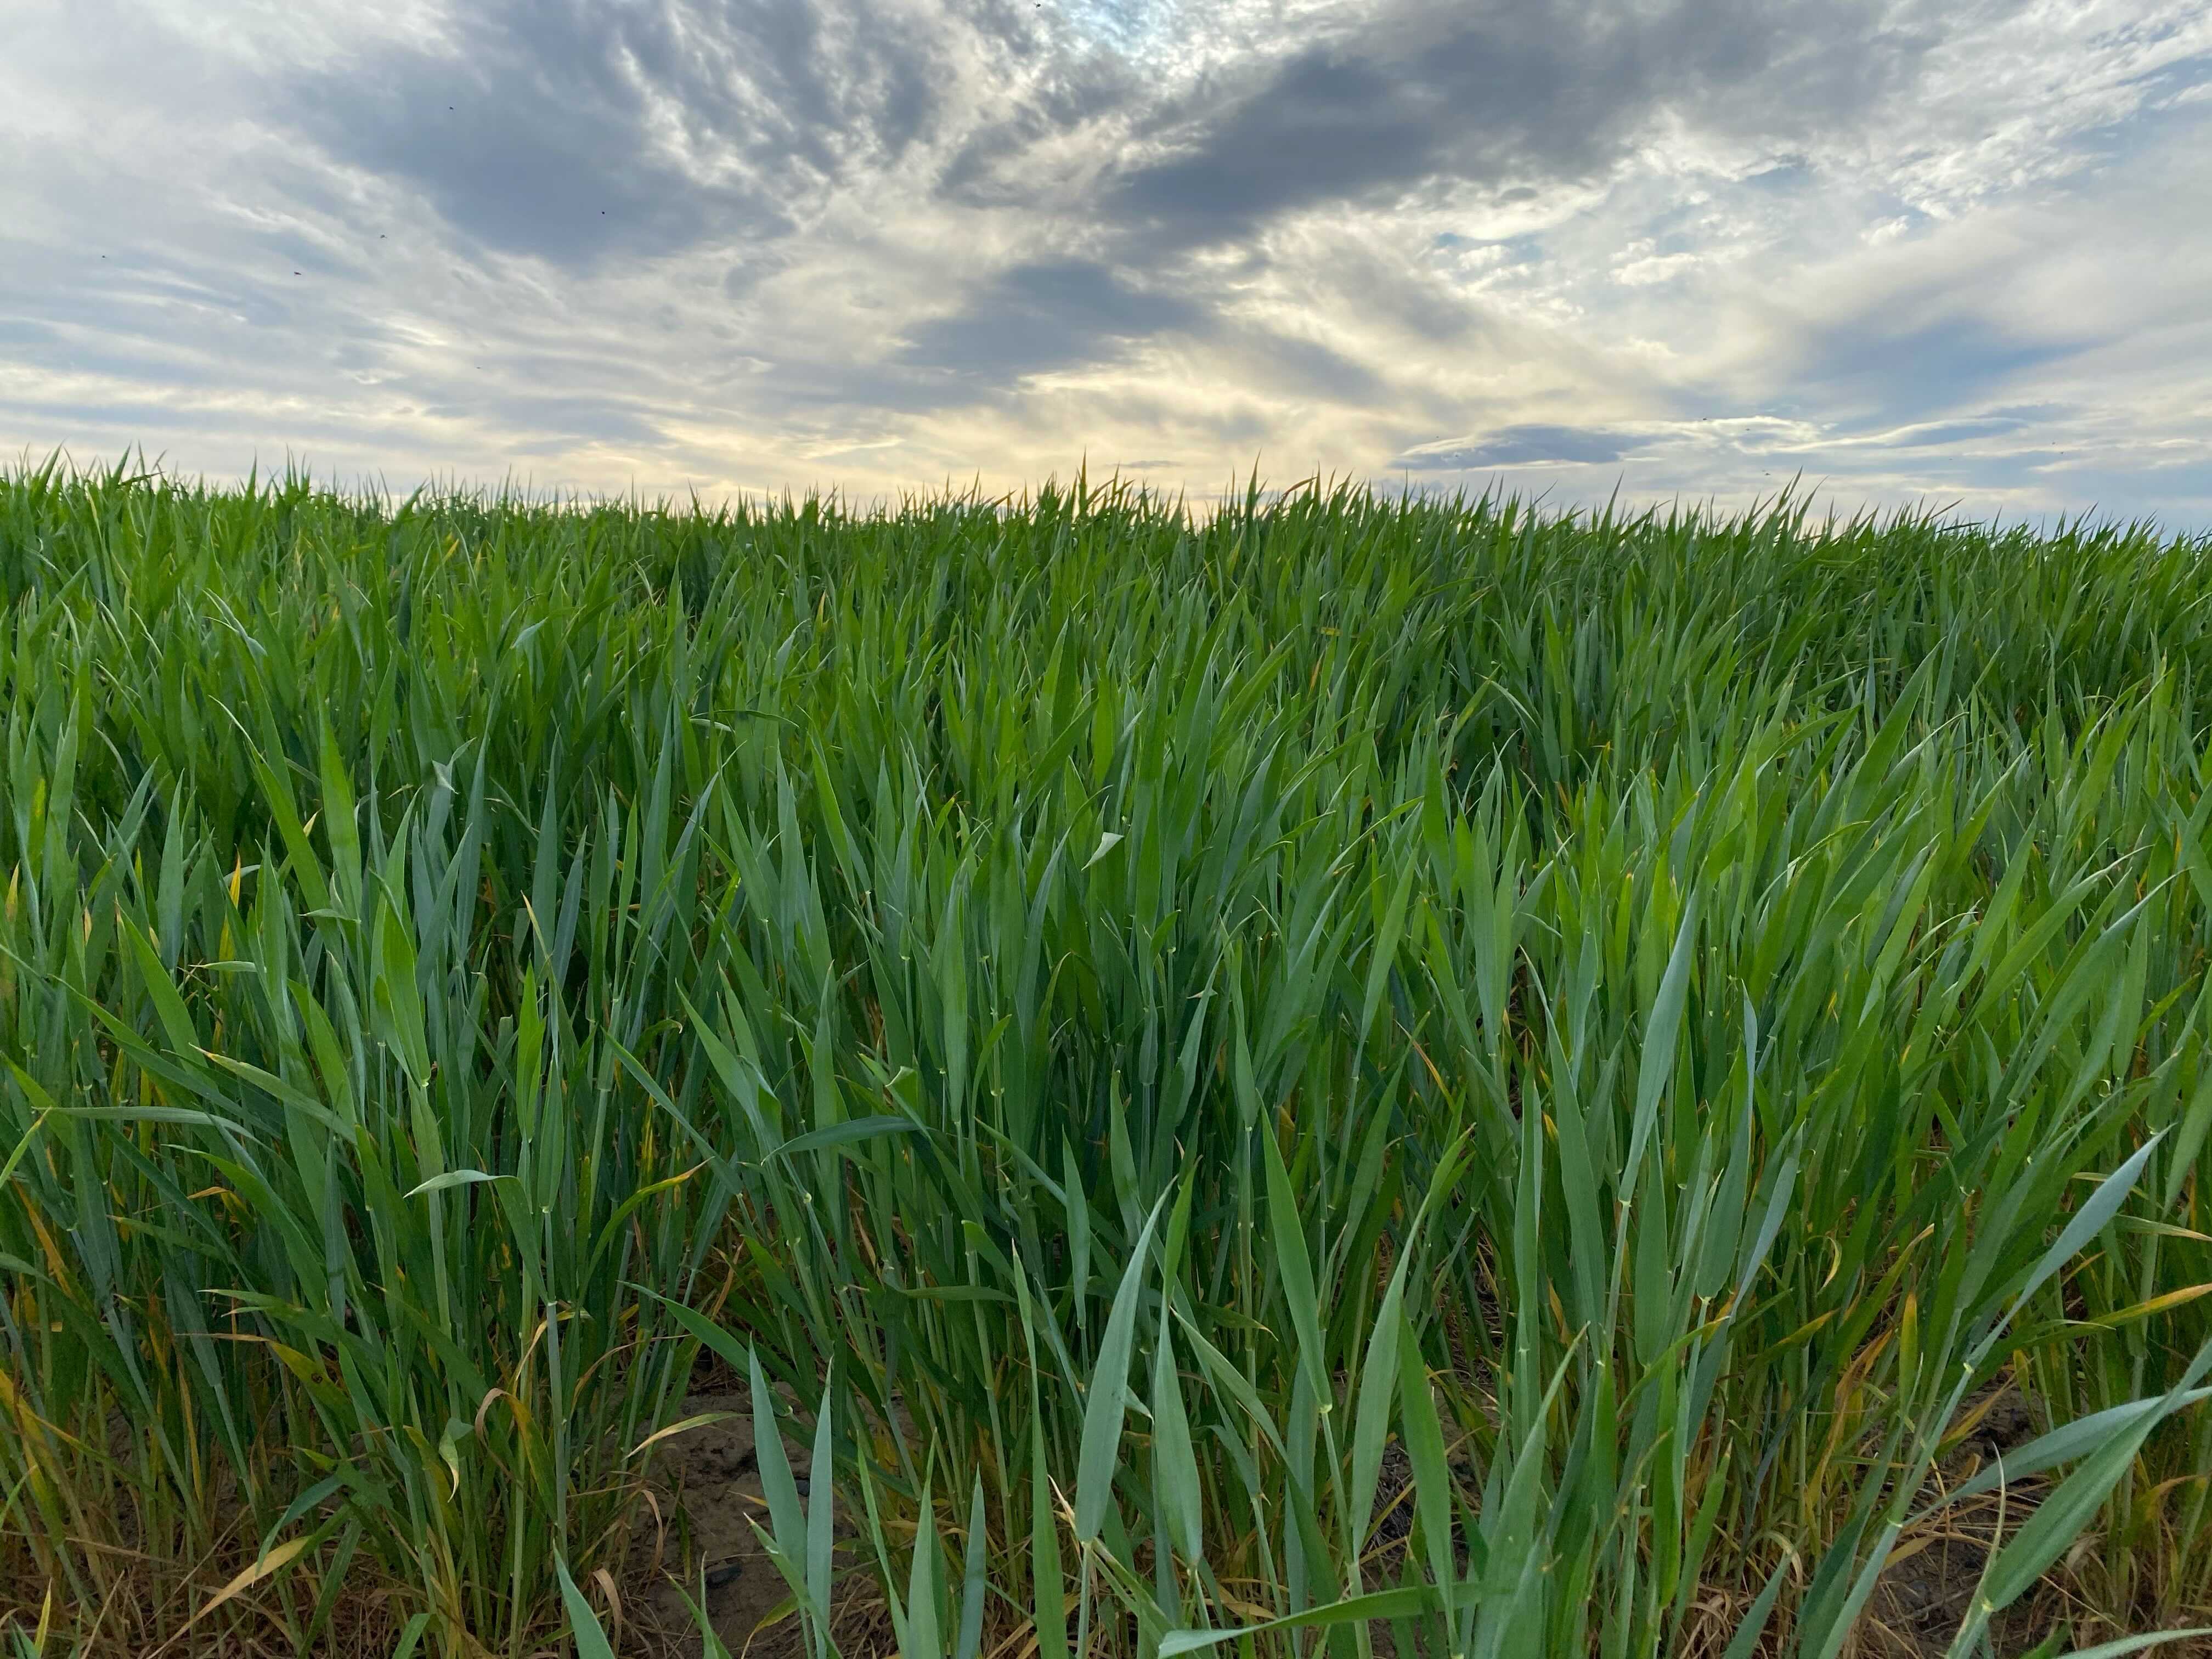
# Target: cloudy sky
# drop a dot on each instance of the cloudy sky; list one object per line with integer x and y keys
{"x": 1917, "y": 250}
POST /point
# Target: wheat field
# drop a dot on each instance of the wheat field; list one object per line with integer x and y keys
{"x": 1342, "y": 1074}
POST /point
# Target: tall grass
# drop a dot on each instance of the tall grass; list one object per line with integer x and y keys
{"x": 1388, "y": 1074}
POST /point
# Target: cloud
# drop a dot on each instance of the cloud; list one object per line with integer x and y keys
{"x": 1033, "y": 318}
{"x": 1868, "y": 359}
{"x": 1511, "y": 94}
{"x": 579, "y": 133}
{"x": 1936, "y": 434}
{"x": 1523, "y": 446}
{"x": 1666, "y": 244}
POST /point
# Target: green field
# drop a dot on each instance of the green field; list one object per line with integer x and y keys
{"x": 1558, "y": 1073}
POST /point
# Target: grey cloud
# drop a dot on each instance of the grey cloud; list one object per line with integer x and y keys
{"x": 1511, "y": 92}
{"x": 1328, "y": 126}
{"x": 590, "y": 419}
{"x": 136, "y": 294}
{"x": 1508, "y": 93}
{"x": 546, "y": 130}
{"x": 1103, "y": 196}
{"x": 1940, "y": 433}
{"x": 992, "y": 164}
{"x": 1924, "y": 368}
{"x": 520, "y": 169}
{"x": 1036, "y": 317}
{"x": 543, "y": 132}
{"x": 1309, "y": 366}
{"x": 1531, "y": 445}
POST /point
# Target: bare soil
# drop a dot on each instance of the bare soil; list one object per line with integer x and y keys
{"x": 707, "y": 1494}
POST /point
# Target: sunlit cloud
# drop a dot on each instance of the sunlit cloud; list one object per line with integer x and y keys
{"x": 1904, "y": 252}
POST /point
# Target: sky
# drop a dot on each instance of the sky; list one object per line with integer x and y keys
{"x": 1942, "y": 254}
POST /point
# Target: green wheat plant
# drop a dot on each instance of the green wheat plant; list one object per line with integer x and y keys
{"x": 1339, "y": 1074}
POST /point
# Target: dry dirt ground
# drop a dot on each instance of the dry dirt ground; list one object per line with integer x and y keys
{"x": 707, "y": 1492}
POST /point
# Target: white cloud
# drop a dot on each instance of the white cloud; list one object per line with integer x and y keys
{"x": 881, "y": 243}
